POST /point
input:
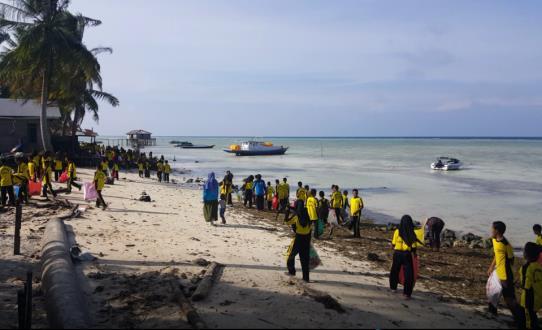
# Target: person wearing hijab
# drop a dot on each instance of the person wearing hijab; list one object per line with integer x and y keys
{"x": 210, "y": 199}
{"x": 302, "y": 226}
{"x": 404, "y": 244}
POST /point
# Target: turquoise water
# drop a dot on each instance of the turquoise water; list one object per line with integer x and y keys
{"x": 502, "y": 179}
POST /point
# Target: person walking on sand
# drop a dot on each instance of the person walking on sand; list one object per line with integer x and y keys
{"x": 72, "y": 176}
{"x": 356, "y": 206}
{"x": 6, "y": 184}
{"x": 300, "y": 221}
{"x": 312, "y": 209}
{"x": 46, "y": 179}
{"x": 404, "y": 244}
{"x": 337, "y": 203}
{"x": 433, "y": 228}
{"x": 260, "y": 191}
{"x": 222, "y": 204}
{"x": 210, "y": 199}
{"x": 502, "y": 263}
{"x": 228, "y": 181}
{"x": 283, "y": 194}
{"x": 99, "y": 184}
{"x": 248, "y": 186}
{"x": 59, "y": 166}
{"x": 141, "y": 168}
{"x": 271, "y": 193}
{"x": 22, "y": 175}
{"x": 159, "y": 170}
{"x": 323, "y": 211}
{"x": 167, "y": 171}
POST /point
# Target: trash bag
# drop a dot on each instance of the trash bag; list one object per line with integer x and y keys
{"x": 332, "y": 219}
{"x": 63, "y": 177}
{"x": 275, "y": 203}
{"x": 315, "y": 260}
{"x": 320, "y": 227}
{"x": 110, "y": 181}
{"x": 416, "y": 266}
{"x": 34, "y": 188}
{"x": 89, "y": 191}
{"x": 494, "y": 289}
{"x": 16, "y": 190}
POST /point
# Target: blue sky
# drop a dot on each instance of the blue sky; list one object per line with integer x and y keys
{"x": 320, "y": 68}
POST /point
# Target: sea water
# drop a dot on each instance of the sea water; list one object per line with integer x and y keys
{"x": 501, "y": 178}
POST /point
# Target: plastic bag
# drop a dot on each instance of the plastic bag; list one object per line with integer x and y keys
{"x": 16, "y": 190}
{"x": 415, "y": 265}
{"x": 494, "y": 289}
{"x": 63, "y": 177}
{"x": 315, "y": 260}
{"x": 320, "y": 227}
{"x": 275, "y": 203}
{"x": 34, "y": 188}
{"x": 332, "y": 219}
{"x": 89, "y": 192}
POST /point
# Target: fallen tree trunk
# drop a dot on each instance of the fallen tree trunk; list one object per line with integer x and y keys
{"x": 206, "y": 284}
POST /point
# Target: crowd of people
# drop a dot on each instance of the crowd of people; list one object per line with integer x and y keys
{"x": 311, "y": 211}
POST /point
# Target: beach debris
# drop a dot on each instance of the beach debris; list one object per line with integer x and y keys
{"x": 145, "y": 198}
{"x": 321, "y": 297}
{"x": 470, "y": 237}
{"x": 374, "y": 257}
{"x": 206, "y": 284}
{"x": 201, "y": 262}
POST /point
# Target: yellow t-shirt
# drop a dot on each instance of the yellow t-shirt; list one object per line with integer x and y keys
{"x": 300, "y": 230}
{"x": 116, "y": 167}
{"x": 160, "y": 167}
{"x": 270, "y": 193}
{"x": 32, "y": 169}
{"x": 249, "y": 185}
{"x": 99, "y": 179}
{"x": 312, "y": 205}
{"x": 282, "y": 190}
{"x": 336, "y": 200}
{"x": 58, "y": 165}
{"x": 539, "y": 240}
{"x": 356, "y": 205}
{"x": 504, "y": 256}
{"x": 141, "y": 166}
{"x": 399, "y": 244}
{"x": 46, "y": 175}
{"x": 22, "y": 170}
{"x": 301, "y": 194}
{"x": 167, "y": 169}
{"x": 72, "y": 171}
{"x": 105, "y": 166}
{"x": 531, "y": 283}
{"x": 6, "y": 176}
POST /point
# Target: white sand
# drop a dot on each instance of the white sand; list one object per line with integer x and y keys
{"x": 253, "y": 291}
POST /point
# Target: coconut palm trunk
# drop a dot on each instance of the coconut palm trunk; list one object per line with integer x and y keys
{"x": 44, "y": 124}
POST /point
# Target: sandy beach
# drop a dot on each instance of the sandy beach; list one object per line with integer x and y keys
{"x": 138, "y": 245}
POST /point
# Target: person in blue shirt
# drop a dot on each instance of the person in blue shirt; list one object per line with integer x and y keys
{"x": 260, "y": 190}
{"x": 210, "y": 199}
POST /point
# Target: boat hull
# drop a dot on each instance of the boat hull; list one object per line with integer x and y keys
{"x": 273, "y": 152}
{"x": 447, "y": 167}
{"x": 197, "y": 147}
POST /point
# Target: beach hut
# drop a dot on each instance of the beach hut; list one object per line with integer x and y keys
{"x": 140, "y": 138}
{"x": 20, "y": 124}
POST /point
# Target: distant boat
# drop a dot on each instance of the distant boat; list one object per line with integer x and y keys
{"x": 446, "y": 164}
{"x": 189, "y": 145}
{"x": 254, "y": 148}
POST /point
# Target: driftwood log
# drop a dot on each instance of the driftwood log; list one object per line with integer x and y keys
{"x": 206, "y": 284}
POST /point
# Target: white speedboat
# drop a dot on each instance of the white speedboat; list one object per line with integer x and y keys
{"x": 254, "y": 148}
{"x": 446, "y": 164}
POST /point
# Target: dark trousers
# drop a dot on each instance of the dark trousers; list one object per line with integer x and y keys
{"x": 269, "y": 205}
{"x": 248, "y": 198}
{"x": 23, "y": 192}
{"x": 159, "y": 175}
{"x": 7, "y": 192}
{"x": 230, "y": 199}
{"x": 356, "y": 226}
{"x": 339, "y": 215}
{"x": 141, "y": 174}
{"x": 48, "y": 187}
{"x": 58, "y": 173}
{"x": 283, "y": 205}
{"x": 402, "y": 259}
{"x": 166, "y": 177}
{"x": 302, "y": 246}
{"x": 100, "y": 200}
{"x": 260, "y": 202}
{"x": 434, "y": 235}
{"x": 71, "y": 182}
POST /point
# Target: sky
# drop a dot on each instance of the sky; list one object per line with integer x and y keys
{"x": 319, "y": 68}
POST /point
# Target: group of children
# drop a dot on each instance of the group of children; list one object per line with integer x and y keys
{"x": 347, "y": 211}
{"x": 163, "y": 168}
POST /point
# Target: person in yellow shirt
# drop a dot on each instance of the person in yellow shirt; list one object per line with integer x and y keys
{"x": 531, "y": 286}
{"x": 302, "y": 225}
{"x": 72, "y": 176}
{"x": 99, "y": 184}
{"x": 270, "y": 191}
{"x": 59, "y": 166}
{"x": 6, "y": 184}
{"x": 46, "y": 179}
{"x": 283, "y": 194}
{"x": 116, "y": 169}
{"x": 159, "y": 170}
{"x": 167, "y": 172}
{"x": 248, "y": 187}
{"x": 337, "y": 203}
{"x": 404, "y": 245}
{"x": 356, "y": 206}
{"x": 312, "y": 209}
{"x": 141, "y": 168}
{"x": 502, "y": 264}
{"x": 301, "y": 193}
{"x": 23, "y": 176}
{"x": 32, "y": 170}
{"x": 537, "y": 229}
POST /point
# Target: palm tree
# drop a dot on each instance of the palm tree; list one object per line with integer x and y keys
{"x": 43, "y": 44}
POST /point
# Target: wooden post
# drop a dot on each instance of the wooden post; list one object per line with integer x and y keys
{"x": 17, "y": 237}
{"x": 28, "y": 301}
{"x": 21, "y": 308}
